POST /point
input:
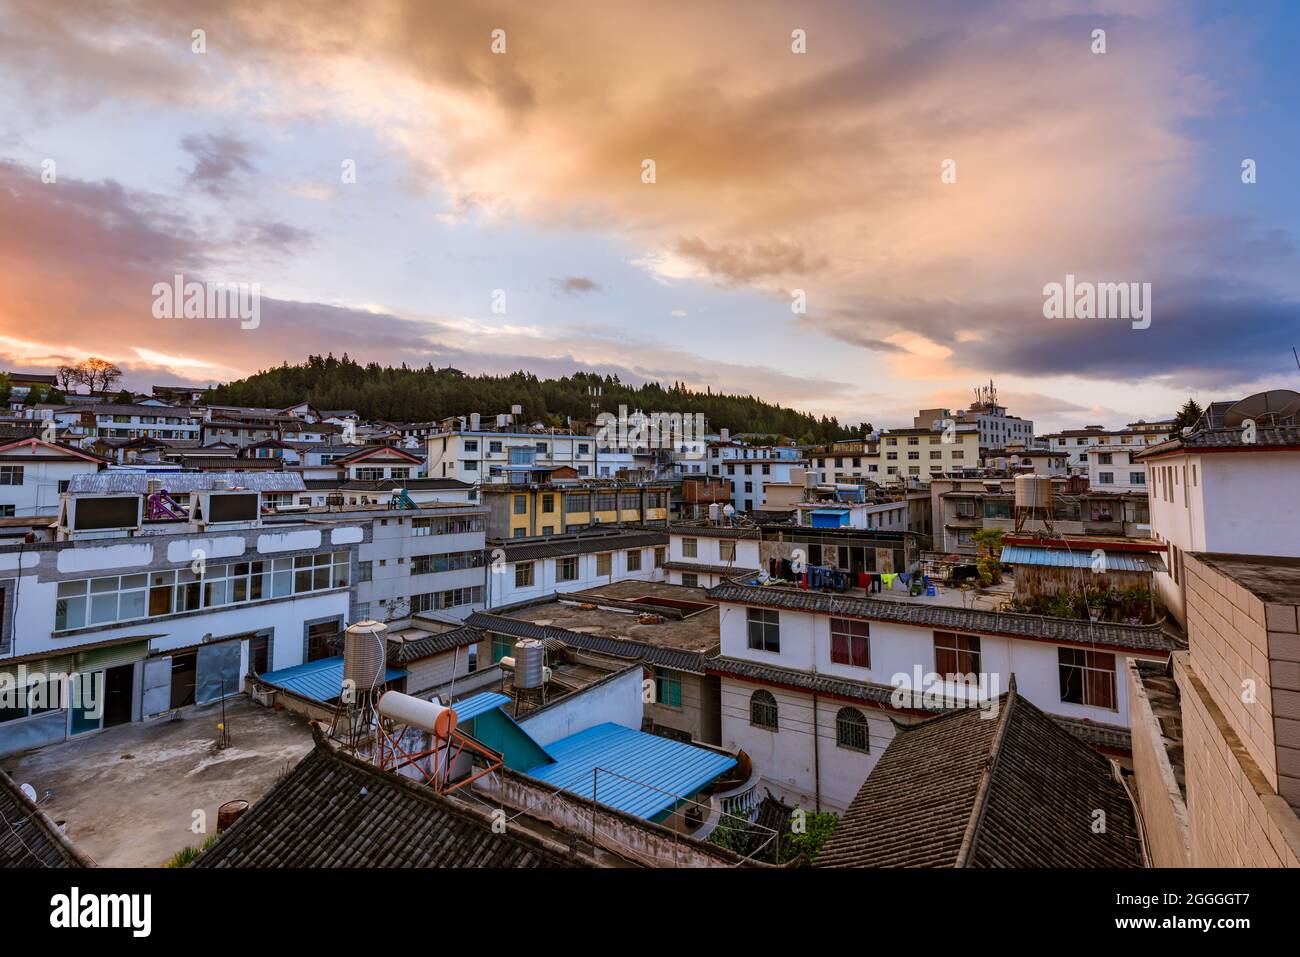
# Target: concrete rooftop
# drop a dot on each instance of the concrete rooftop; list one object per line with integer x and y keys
{"x": 128, "y": 794}
{"x": 1267, "y": 578}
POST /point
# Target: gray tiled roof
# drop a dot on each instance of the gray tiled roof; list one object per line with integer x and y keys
{"x": 681, "y": 660}
{"x": 949, "y": 618}
{"x": 715, "y": 531}
{"x": 532, "y": 551}
{"x": 335, "y": 811}
{"x": 729, "y": 570}
{"x": 27, "y": 837}
{"x": 962, "y": 790}
{"x": 435, "y": 644}
{"x": 100, "y": 483}
{"x": 865, "y": 691}
{"x": 1226, "y": 438}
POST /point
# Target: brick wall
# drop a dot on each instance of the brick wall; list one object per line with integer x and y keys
{"x": 1164, "y": 813}
{"x": 1284, "y": 679}
{"x": 1235, "y": 817}
{"x": 1229, "y": 643}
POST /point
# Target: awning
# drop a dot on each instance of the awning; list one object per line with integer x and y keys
{"x": 319, "y": 680}
{"x": 1081, "y": 558}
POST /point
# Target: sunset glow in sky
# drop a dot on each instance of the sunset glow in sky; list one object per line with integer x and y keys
{"x": 775, "y": 172}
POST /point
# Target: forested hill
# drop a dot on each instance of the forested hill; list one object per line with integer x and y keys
{"x": 418, "y": 395}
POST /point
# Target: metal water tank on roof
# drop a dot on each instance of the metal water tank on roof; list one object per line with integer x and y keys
{"x": 1033, "y": 491}
{"x": 365, "y": 651}
{"x": 528, "y": 663}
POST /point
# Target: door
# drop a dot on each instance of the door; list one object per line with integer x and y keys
{"x": 318, "y": 640}
{"x": 183, "y": 679}
{"x": 119, "y": 683}
{"x": 259, "y": 654}
{"x": 217, "y": 674}
{"x": 157, "y": 694}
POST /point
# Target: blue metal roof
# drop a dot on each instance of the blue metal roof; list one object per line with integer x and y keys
{"x": 1081, "y": 558}
{"x": 320, "y": 680}
{"x": 475, "y": 705}
{"x": 663, "y": 770}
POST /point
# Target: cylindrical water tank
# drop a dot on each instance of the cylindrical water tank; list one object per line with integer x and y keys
{"x": 418, "y": 713}
{"x": 1033, "y": 491}
{"x": 715, "y": 512}
{"x": 528, "y": 663}
{"x": 364, "y": 654}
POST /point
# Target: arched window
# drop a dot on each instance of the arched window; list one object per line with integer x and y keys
{"x": 762, "y": 709}
{"x": 851, "y": 730}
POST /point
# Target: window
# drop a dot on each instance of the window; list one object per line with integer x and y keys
{"x": 365, "y": 571}
{"x": 523, "y": 574}
{"x": 503, "y": 646}
{"x": 956, "y": 654}
{"x": 566, "y": 569}
{"x": 634, "y": 559}
{"x": 1137, "y": 478}
{"x": 851, "y": 730}
{"x": 668, "y": 687}
{"x": 447, "y": 562}
{"x": 727, "y": 551}
{"x": 764, "y": 629}
{"x": 762, "y": 710}
{"x": 548, "y": 504}
{"x": 8, "y": 511}
{"x": 661, "y": 556}
{"x": 520, "y": 503}
{"x": 604, "y": 563}
{"x": 690, "y": 548}
{"x": 606, "y": 501}
{"x": 850, "y": 642}
{"x": 494, "y": 448}
{"x": 1087, "y": 677}
{"x": 1105, "y": 478}
{"x": 11, "y": 475}
{"x": 98, "y": 601}
{"x": 690, "y": 580}
{"x": 369, "y": 475}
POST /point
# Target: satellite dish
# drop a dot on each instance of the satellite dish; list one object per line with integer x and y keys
{"x": 1264, "y": 408}
{"x": 29, "y": 791}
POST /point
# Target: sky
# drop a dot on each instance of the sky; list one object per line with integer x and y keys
{"x": 860, "y": 229}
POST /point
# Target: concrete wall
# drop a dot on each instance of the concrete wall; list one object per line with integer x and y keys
{"x": 430, "y": 673}
{"x": 1160, "y": 801}
{"x": 614, "y": 700}
{"x": 1235, "y": 818}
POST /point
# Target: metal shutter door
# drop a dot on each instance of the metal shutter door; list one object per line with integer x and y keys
{"x": 157, "y": 686}
{"x": 217, "y": 664}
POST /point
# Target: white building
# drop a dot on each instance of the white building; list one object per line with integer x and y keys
{"x": 701, "y": 556}
{"x": 808, "y": 679}
{"x": 532, "y": 569}
{"x": 1113, "y": 469}
{"x": 33, "y": 474}
{"x": 81, "y": 422}
{"x": 147, "y": 616}
{"x": 1211, "y": 491}
{"x": 478, "y": 457}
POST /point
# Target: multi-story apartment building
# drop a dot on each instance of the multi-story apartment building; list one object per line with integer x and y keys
{"x": 907, "y": 455}
{"x": 533, "y": 569}
{"x": 849, "y": 461}
{"x": 962, "y": 507}
{"x": 808, "y": 680}
{"x": 83, "y": 422}
{"x": 482, "y": 457}
{"x": 703, "y": 555}
{"x": 750, "y": 476}
{"x": 554, "y": 508}
{"x": 995, "y": 428}
{"x": 413, "y": 561}
{"x": 131, "y": 613}
{"x": 1082, "y": 446}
